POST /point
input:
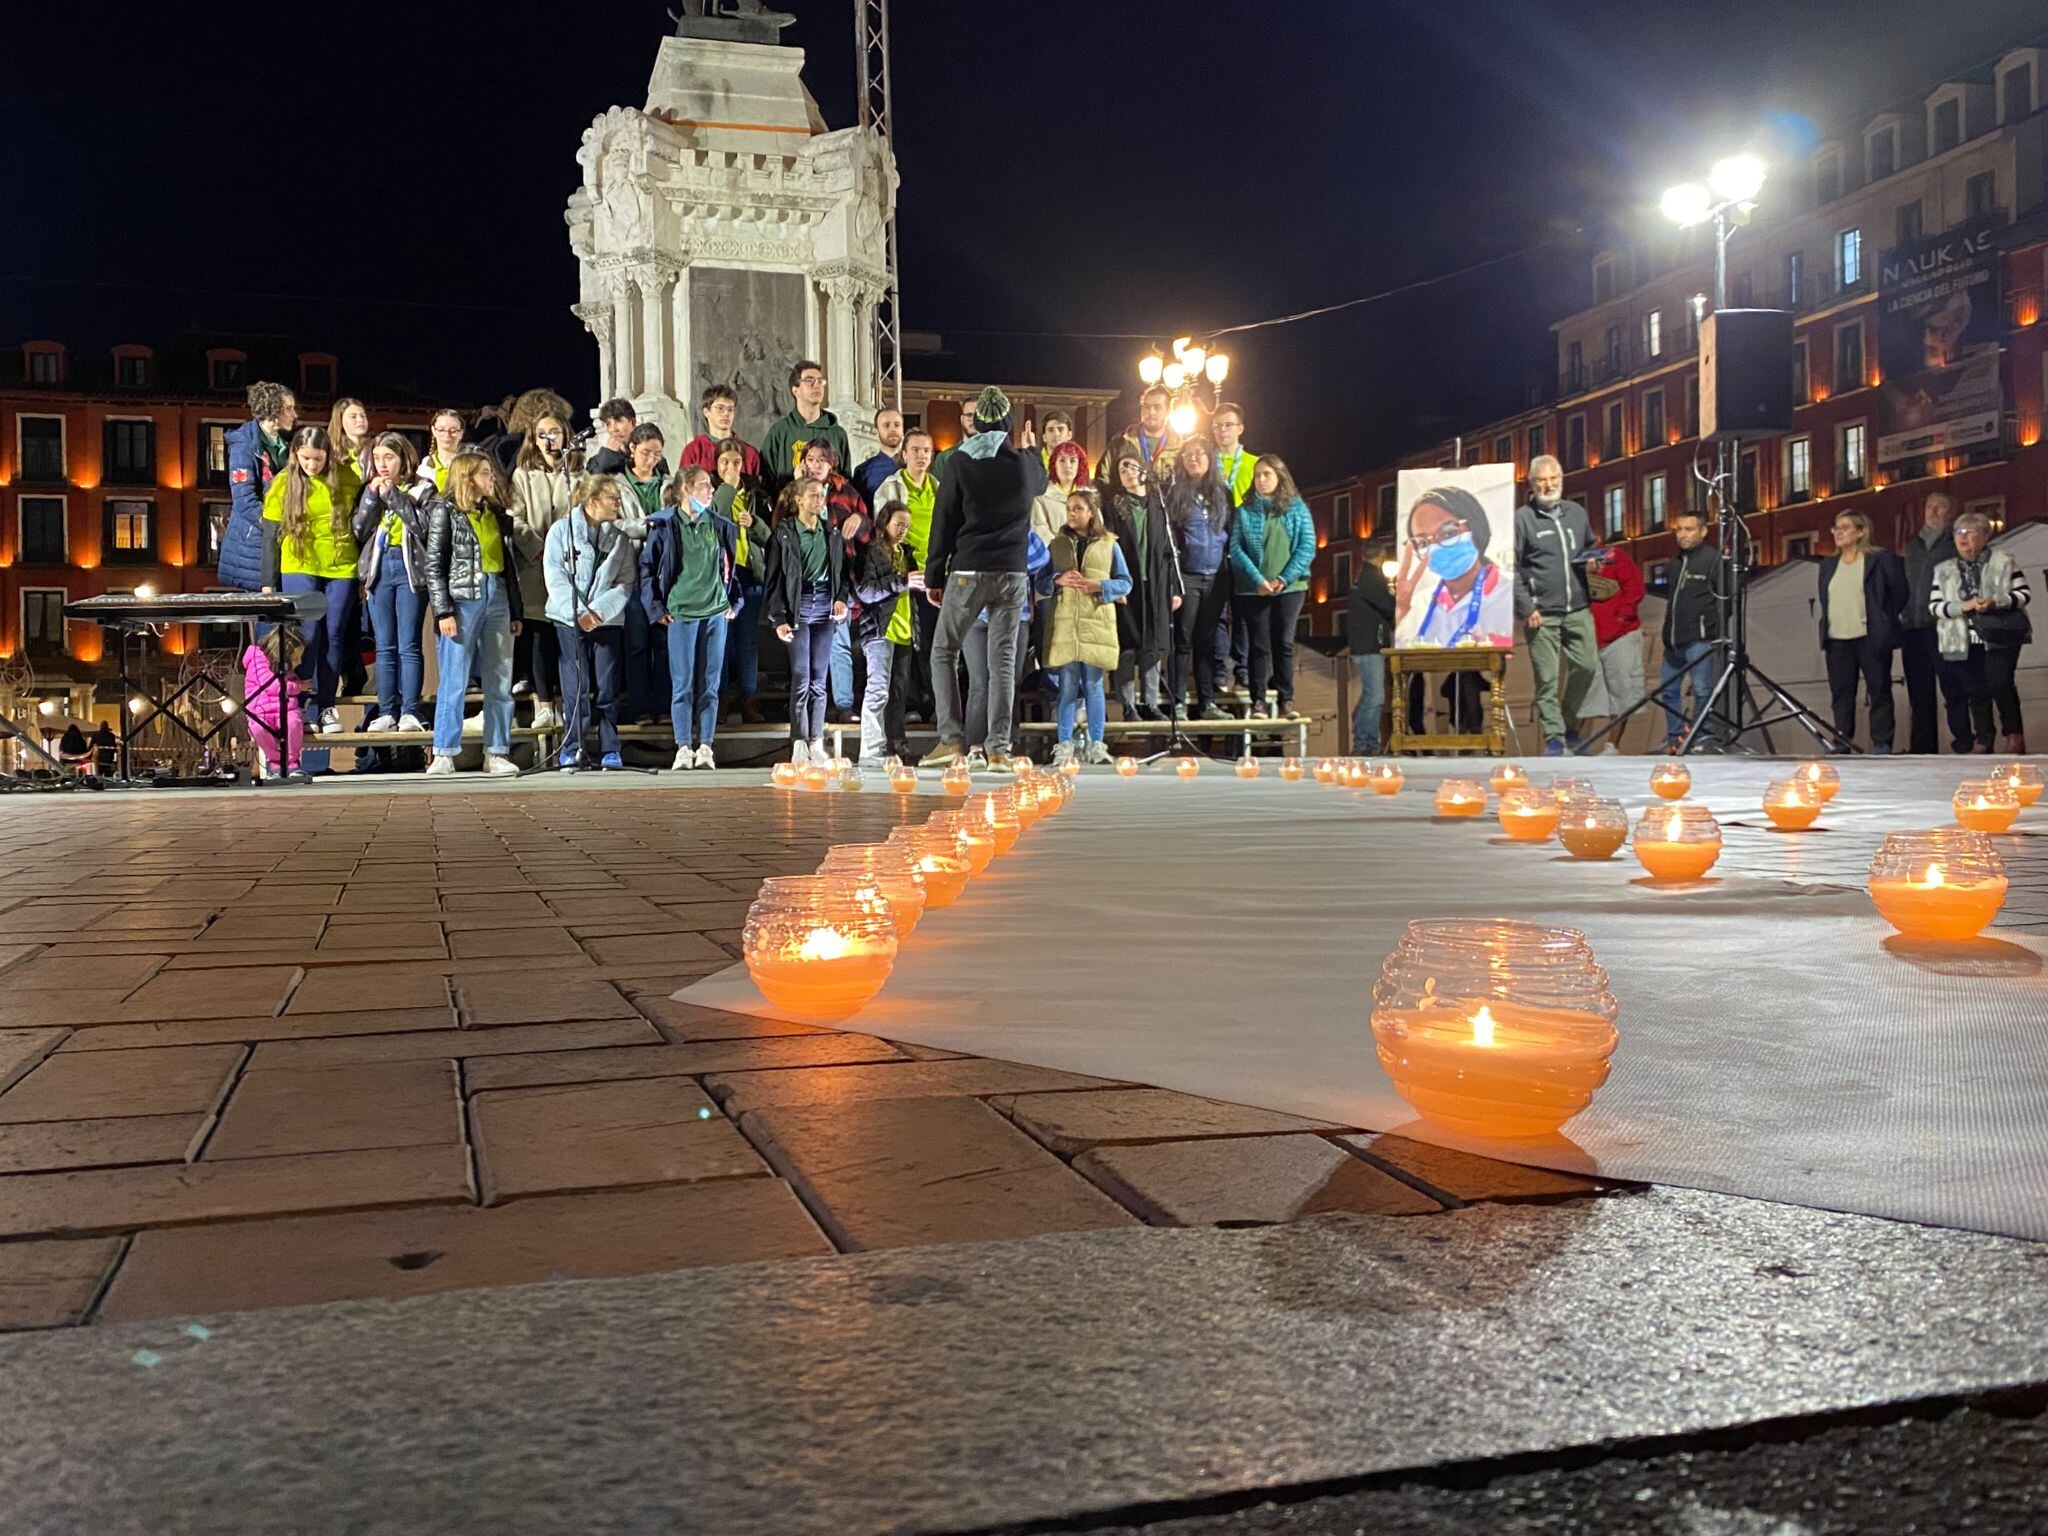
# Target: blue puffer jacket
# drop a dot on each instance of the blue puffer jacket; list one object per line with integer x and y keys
{"x": 247, "y": 545}
{"x": 1248, "y": 543}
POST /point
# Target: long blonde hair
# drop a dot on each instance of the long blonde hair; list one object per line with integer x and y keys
{"x": 345, "y": 445}
{"x": 463, "y": 470}
{"x": 298, "y": 491}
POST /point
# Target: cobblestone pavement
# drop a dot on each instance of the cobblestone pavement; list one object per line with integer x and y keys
{"x": 260, "y": 1050}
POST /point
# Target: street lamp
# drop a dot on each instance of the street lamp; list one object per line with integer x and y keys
{"x": 1192, "y": 375}
{"x": 1728, "y": 198}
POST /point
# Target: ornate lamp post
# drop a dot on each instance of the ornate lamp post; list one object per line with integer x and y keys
{"x": 1193, "y": 377}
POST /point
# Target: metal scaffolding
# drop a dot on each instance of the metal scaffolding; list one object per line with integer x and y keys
{"x": 871, "y": 44}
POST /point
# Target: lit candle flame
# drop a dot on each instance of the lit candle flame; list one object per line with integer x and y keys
{"x": 1932, "y": 879}
{"x": 1590, "y": 823}
{"x": 824, "y": 944}
{"x": 1482, "y": 1026}
{"x": 1813, "y": 770}
{"x": 1982, "y": 804}
{"x": 1672, "y": 827}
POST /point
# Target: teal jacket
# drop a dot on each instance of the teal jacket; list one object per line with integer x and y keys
{"x": 1248, "y": 543}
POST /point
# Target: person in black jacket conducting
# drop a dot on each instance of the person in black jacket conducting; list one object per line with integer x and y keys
{"x": 1692, "y": 622}
{"x": 1368, "y": 623}
{"x": 978, "y": 561}
{"x": 1862, "y": 589}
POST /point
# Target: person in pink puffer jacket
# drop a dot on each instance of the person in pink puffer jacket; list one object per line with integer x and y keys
{"x": 270, "y": 679}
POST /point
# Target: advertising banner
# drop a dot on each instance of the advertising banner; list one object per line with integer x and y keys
{"x": 1939, "y": 328}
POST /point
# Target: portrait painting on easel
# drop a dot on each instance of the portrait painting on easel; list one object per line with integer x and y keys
{"x": 1455, "y": 544}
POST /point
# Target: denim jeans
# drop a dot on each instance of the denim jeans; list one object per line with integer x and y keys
{"x": 1371, "y": 672}
{"x": 810, "y": 658}
{"x": 968, "y": 593}
{"x": 743, "y": 644}
{"x": 842, "y": 667}
{"x": 696, "y": 661}
{"x": 1694, "y": 661}
{"x": 327, "y": 637}
{"x": 1078, "y": 682}
{"x": 600, "y": 655}
{"x": 874, "y": 704}
{"x": 397, "y": 614}
{"x": 483, "y": 639}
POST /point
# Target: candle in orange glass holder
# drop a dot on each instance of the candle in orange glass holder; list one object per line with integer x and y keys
{"x": 903, "y": 779}
{"x": 1791, "y": 804}
{"x": 1946, "y": 884}
{"x": 1327, "y": 771}
{"x": 1565, "y": 791}
{"x": 1384, "y": 778}
{"x": 1986, "y": 805}
{"x": 1593, "y": 829}
{"x": 1678, "y": 842}
{"x": 1460, "y": 797}
{"x": 817, "y": 776}
{"x": 2023, "y": 779}
{"x": 1820, "y": 778}
{"x": 976, "y": 842}
{"x": 785, "y": 775}
{"x": 1670, "y": 779}
{"x": 819, "y": 946}
{"x": 1071, "y": 767}
{"x": 1528, "y": 814}
{"x": 1290, "y": 769}
{"x": 1247, "y": 767}
{"x": 1127, "y": 767}
{"x": 999, "y": 819}
{"x": 890, "y": 869}
{"x": 1187, "y": 767}
{"x": 936, "y": 856}
{"x": 956, "y": 780}
{"x": 1351, "y": 772}
{"x": 1506, "y": 776}
{"x": 1492, "y": 1027}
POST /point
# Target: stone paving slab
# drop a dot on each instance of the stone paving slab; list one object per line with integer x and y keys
{"x": 1462, "y": 1177}
{"x": 1246, "y": 1179}
{"x": 453, "y": 1044}
{"x": 51, "y": 1284}
{"x": 296, "y": 1261}
{"x": 970, "y": 1077}
{"x": 339, "y": 1107}
{"x": 369, "y": 989}
{"x": 490, "y": 998}
{"x": 102, "y": 1085}
{"x": 936, "y": 1389}
{"x": 884, "y": 1173}
{"x": 616, "y": 1135}
{"x": 104, "y": 970}
{"x": 22, "y": 1049}
{"x": 290, "y": 1026}
{"x": 787, "y": 1051}
{"x": 1073, "y": 1122}
{"x": 47, "y": 1146}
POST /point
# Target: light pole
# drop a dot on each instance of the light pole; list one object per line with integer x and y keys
{"x": 1183, "y": 376}
{"x": 1728, "y": 198}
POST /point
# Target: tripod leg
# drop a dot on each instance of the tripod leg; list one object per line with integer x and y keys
{"x": 1822, "y": 732}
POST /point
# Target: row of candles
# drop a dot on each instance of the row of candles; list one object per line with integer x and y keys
{"x": 821, "y": 946}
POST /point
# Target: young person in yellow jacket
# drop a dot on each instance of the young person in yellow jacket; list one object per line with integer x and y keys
{"x": 446, "y": 430}
{"x": 1234, "y": 464}
{"x": 312, "y": 503}
{"x": 1085, "y": 577}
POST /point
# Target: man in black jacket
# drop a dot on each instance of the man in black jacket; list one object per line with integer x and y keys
{"x": 1919, "y": 651}
{"x": 1368, "y": 623}
{"x": 981, "y": 527}
{"x": 1692, "y": 621}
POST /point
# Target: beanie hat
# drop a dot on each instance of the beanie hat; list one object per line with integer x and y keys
{"x": 992, "y": 410}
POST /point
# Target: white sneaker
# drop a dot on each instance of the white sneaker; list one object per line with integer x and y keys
{"x": 473, "y": 726}
{"x": 382, "y": 723}
{"x": 977, "y": 760}
{"x": 500, "y": 767}
{"x": 686, "y": 759}
{"x": 800, "y": 753}
{"x": 705, "y": 759}
{"x": 330, "y": 722}
{"x": 1098, "y": 752}
{"x": 546, "y": 718}
{"x": 441, "y": 768}
{"x": 1063, "y": 753}
{"x": 408, "y": 723}
{"x": 819, "y": 754}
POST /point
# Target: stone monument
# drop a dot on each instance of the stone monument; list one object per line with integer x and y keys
{"x": 722, "y": 232}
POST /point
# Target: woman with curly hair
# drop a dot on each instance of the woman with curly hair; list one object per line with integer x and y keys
{"x": 311, "y": 502}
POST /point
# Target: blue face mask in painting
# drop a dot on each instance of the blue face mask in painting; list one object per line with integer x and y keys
{"x": 1452, "y": 560}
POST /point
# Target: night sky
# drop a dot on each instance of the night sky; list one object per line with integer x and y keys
{"x": 386, "y": 181}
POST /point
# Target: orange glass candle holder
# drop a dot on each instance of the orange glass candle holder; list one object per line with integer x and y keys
{"x": 1187, "y": 767}
{"x": 817, "y": 776}
{"x": 785, "y": 776}
{"x": 956, "y": 780}
{"x": 1027, "y": 800}
{"x": 1670, "y": 779}
{"x": 1351, "y": 772}
{"x": 903, "y": 780}
{"x": 1791, "y": 804}
{"x": 2023, "y": 779}
{"x": 1678, "y": 842}
{"x": 1000, "y": 820}
{"x": 816, "y": 947}
{"x": 1506, "y": 776}
{"x": 1565, "y": 791}
{"x": 1493, "y": 1027}
{"x": 1460, "y": 797}
{"x": 890, "y": 869}
{"x": 1820, "y": 778}
{"x": 937, "y": 858}
{"x": 1327, "y": 771}
{"x": 1528, "y": 814}
{"x": 1384, "y": 778}
{"x": 1127, "y": 767}
{"x": 977, "y": 844}
{"x": 1947, "y": 884}
{"x": 1247, "y": 767}
{"x": 1986, "y": 805}
{"x": 1593, "y": 829}
{"x": 1290, "y": 769}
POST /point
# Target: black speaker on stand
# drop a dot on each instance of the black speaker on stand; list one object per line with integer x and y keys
{"x": 1746, "y": 373}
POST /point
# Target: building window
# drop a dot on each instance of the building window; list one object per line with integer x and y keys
{"x": 130, "y": 532}
{"x": 225, "y": 373}
{"x": 1848, "y": 357}
{"x": 42, "y": 530}
{"x": 316, "y": 379}
{"x": 1798, "y": 468}
{"x": 1653, "y": 333}
{"x": 1980, "y": 193}
{"x": 1658, "y": 576}
{"x": 1947, "y": 130}
{"x": 1613, "y": 511}
{"x": 1849, "y": 456}
{"x": 1742, "y": 292}
{"x": 1388, "y": 510}
{"x": 1653, "y": 418}
{"x": 1575, "y": 443}
{"x": 1906, "y": 223}
{"x": 2016, "y": 93}
{"x": 46, "y": 368}
{"x": 1653, "y": 503}
{"x": 1340, "y": 516}
{"x": 131, "y": 370}
{"x": 1990, "y": 507}
{"x": 1340, "y": 577}
{"x": 42, "y": 449}
{"x": 129, "y": 453}
{"x": 1802, "y": 378}
{"x": 1745, "y": 482}
{"x": 1827, "y": 177}
{"x": 1798, "y": 546}
{"x": 42, "y": 620}
{"x": 1603, "y": 280}
{"x": 213, "y": 453}
{"x": 1849, "y": 257}
{"x": 1574, "y": 367}
{"x": 1612, "y": 341}
{"x": 1795, "y": 278}
{"x": 1539, "y": 440}
{"x": 213, "y": 527}
{"x": 1610, "y": 431}
{"x": 1692, "y": 406}
{"x": 1884, "y": 153}
{"x": 1504, "y": 448}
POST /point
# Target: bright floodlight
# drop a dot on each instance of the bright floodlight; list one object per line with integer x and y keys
{"x": 1687, "y": 204}
{"x": 48, "y": 706}
{"x": 1181, "y": 419}
{"x": 145, "y": 591}
{"x": 1174, "y": 375}
{"x": 1149, "y": 366}
{"x": 1217, "y": 367}
{"x": 1390, "y": 569}
{"x": 1737, "y": 179}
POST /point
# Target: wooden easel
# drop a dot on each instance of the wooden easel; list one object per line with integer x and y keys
{"x": 1490, "y": 662}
